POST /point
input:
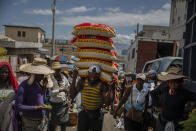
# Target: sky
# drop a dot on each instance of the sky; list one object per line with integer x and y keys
{"x": 122, "y": 15}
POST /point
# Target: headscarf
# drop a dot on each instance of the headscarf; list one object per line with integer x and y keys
{"x": 12, "y": 77}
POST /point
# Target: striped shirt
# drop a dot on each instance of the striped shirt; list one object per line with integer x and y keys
{"x": 91, "y": 97}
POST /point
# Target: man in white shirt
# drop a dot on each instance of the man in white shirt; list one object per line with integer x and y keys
{"x": 59, "y": 99}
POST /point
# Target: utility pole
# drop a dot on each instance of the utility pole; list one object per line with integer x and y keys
{"x": 53, "y": 8}
{"x": 137, "y": 31}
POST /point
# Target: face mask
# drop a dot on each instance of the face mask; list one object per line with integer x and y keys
{"x": 151, "y": 81}
{"x": 128, "y": 79}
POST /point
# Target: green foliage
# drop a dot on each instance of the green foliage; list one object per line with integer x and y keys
{"x": 190, "y": 124}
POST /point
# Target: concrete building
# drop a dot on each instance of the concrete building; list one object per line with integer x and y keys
{"x": 155, "y": 32}
{"x": 23, "y": 43}
{"x": 25, "y": 33}
{"x": 151, "y": 43}
{"x": 189, "y": 64}
{"x": 62, "y": 47}
{"x": 178, "y": 22}
{"x": 20, "y": 52}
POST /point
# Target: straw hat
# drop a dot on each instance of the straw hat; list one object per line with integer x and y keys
{"x": 56, "y": 65}
{"x": 37, "y": 67}
{"x": 66, "y": 72}
{"x": 171, "y": 74}
{"x": 128, "y": 74}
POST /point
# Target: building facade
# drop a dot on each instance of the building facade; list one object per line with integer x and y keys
{"x": 155, "y": 32}
{"x": 25, "y": 33}
{"x": 189, "y": 63}
{"x": 178, "y": 22}
{"x": 62, "y": 48}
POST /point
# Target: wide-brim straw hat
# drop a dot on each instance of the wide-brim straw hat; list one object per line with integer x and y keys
{"x": 171, "y": 74}
{"x": 56, "y": 65}
{"x": 37, "y": 67}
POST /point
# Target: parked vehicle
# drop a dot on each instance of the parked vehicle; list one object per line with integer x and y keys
{"x": 162, "y": 64}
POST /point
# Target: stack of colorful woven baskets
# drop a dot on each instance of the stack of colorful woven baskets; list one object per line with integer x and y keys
{"x": 95, "y": 46}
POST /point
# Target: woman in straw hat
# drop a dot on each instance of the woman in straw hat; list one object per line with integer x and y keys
{"x": 31, "y": 95}
{"x": 170, "y": 99}
{"x": 8, "y": 88}
{"x": 59, "y": 98}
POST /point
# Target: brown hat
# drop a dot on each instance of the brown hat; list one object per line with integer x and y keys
{"x": 172, "y": 74}
{"x": 128, "y": 74}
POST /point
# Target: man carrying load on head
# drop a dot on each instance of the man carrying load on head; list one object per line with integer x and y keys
{"x": 94, "y": 94}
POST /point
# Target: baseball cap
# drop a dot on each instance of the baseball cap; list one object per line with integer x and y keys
{"x": 94, "y": 69}
{"x": 141, "y": 76}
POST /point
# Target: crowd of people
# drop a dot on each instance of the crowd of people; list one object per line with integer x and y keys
{"x": 41, "y": 97}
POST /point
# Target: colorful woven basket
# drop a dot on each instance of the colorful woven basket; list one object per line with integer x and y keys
{"x": 94, "y": 29}
{"x": 93, "y": 42}
{"x": 105, "y": 66}
{"x": 95, "y": 54}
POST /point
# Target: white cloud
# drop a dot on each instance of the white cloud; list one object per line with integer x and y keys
{"x": 79, "y": 9}
{"x": 23, "y": 1}
{"x": 122, "y": 19}
{"x": 167, "y": 6}
{"x": 113, "y": 9}
{"x": 124, "y": 39}
{"x": 41, "y": 12}
{"x": 20, "y": 2}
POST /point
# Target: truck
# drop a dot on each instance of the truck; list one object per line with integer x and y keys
{"x": 145, "y": 49}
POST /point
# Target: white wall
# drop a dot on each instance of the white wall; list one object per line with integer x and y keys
{"x": 178, "y": 20}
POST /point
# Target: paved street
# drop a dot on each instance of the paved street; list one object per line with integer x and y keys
{"x": 108, "y": 124}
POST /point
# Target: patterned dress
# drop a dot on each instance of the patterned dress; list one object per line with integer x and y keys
{"x": 7, "y": 96}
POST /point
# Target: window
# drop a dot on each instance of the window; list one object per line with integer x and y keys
{"x": 147, "y": 67}
{"x": 176, "y": 63}
{"x": 23, "y": 34}
{"x": 186, "y": 62}
{"x": 174, "y": 4}
{"x": 19, "y": 33}
{"x": 133, "y": 53}
{"x": 184, "y": 16}
{"x": 193, "y": 64}
{"x": 173, "y": 21}
{"x": 178, "y": 20}
{"x": 155, "y": 65}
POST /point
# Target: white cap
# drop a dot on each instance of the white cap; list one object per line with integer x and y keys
{"x": 141, "y": 76}
{"x": 94, "y": 69}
